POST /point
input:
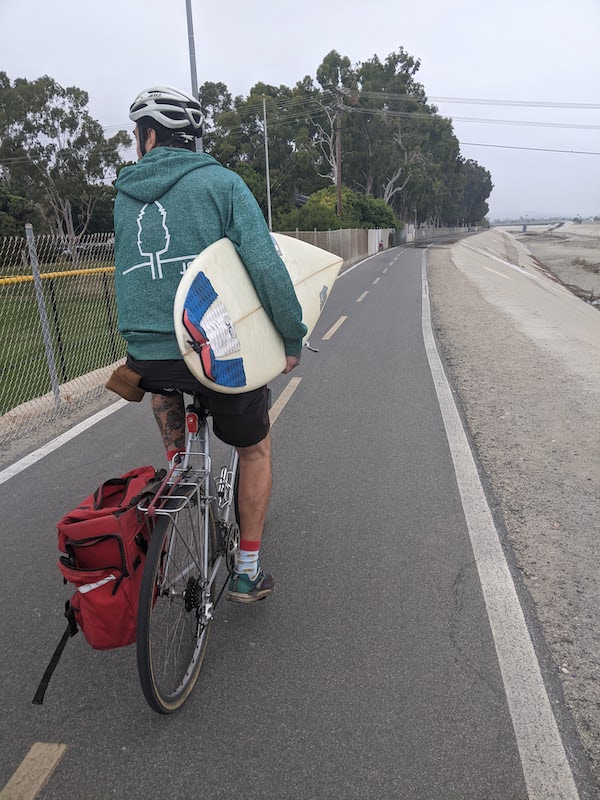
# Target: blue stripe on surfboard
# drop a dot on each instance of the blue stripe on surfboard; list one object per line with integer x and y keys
{"x": 201, "y": 295}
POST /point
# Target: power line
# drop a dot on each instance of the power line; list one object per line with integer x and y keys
{"x": 515, "y": 103}
{"x": 294, "y": 108}
{"x": 539, "y": 149}
{"x": 256, "y": 105}
{"x": 483, "y": 101}
{"x": 272, "y": 123}
{"x": 421, "y": 115}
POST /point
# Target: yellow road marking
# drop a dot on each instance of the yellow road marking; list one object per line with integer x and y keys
{"x": 334, "y": 328}
{"x": 376, "y": 280}
{"x": 362, "y": 297}
{"x": 276, "y": 410}
{"x": 33, "y": 772}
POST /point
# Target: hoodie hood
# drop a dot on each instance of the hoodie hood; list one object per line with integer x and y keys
{"x": 158, "y": 171}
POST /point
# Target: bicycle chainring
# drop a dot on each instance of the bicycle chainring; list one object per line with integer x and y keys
{"x": 232, "y": 546}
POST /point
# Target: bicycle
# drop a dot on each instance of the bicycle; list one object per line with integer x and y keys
{"x": 194, "y": 532}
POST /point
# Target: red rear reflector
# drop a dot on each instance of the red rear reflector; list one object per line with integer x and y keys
{"x": 192, "y": 422}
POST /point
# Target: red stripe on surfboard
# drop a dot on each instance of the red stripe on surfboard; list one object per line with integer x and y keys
{"x": 199, "y": 337}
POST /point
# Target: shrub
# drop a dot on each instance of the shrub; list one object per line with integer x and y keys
{"x": 358, "y": 211}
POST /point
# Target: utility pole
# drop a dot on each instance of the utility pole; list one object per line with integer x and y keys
{"x": 338, "y": 152}
{"x": 194, "y": 74}
{"x": 267, "y": 165}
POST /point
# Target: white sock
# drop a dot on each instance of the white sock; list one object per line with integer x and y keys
{"x": 248, "y": 563}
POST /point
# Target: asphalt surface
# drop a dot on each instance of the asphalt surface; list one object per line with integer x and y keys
{"x": 370, "y": 673}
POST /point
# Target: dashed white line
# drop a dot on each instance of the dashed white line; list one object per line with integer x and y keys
{"x": 376, "y": 281}
{"x": 348, "y": 271}
{"x": 362, "y": 297}
{"x": 385, "y": 270}
{"x": 334, "y": 328}
{"x": 545, "y": 766}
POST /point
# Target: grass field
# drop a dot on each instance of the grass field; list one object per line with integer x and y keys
{"x": 82, "y": 328}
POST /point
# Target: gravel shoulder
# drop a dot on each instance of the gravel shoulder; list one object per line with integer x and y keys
{"x": 530, "y": 392}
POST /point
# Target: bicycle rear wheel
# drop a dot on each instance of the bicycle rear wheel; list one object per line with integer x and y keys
{"x": 172, "y": 631}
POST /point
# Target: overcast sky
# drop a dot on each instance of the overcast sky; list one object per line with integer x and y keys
{"x": 533, "y": 50}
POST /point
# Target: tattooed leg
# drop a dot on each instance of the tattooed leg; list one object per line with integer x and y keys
{"x": 169, "y": 412}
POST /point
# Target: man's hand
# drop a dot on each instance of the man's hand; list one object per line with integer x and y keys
{"x": 291, "y": 362}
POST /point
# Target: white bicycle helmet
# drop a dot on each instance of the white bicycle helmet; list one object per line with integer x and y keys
{"x": 172, "y": 108}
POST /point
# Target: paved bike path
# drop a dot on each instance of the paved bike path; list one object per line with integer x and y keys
{"x": 371, "y": 673}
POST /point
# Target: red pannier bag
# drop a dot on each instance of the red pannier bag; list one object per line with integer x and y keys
{"x": 103, "y": 544}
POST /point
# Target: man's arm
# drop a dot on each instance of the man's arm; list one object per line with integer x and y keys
{"x": 248, "y": 231}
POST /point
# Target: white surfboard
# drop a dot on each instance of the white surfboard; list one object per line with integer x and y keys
{"x": 224, "y": 334}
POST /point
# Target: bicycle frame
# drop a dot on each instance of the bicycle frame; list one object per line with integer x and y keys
{"x": 189, "y": 482}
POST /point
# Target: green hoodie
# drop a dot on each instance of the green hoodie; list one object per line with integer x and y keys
{"x": 170, "y": 206}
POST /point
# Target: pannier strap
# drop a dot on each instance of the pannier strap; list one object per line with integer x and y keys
{"x": 149, "y": 490}
{"x": 152, "y": 487}
{"x": 71, "y": 630}
{"x": 112, "y": 483}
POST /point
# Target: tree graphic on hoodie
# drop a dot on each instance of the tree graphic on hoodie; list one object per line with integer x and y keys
{"x": 153, "y": 235}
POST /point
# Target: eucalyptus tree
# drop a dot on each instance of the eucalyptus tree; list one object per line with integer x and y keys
{"x": 395, "y": 146}
{"x": 54, "y": 152}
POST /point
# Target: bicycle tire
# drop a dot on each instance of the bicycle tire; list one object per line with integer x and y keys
{"x": 168, "y": 614}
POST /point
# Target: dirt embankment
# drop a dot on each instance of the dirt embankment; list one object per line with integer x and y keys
{"x": 523, "y": 355}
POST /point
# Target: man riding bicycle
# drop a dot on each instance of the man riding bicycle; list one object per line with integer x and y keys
{"x": 170, "y": 206}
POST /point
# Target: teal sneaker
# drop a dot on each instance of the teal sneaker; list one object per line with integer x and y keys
{"x": 244, "y": 590}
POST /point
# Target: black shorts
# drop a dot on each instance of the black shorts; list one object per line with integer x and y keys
{"x": 241, "y": 420}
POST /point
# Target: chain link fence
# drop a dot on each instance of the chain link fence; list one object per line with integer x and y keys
{"x": 58, "y": 319}
{"x": 58, "y": 327}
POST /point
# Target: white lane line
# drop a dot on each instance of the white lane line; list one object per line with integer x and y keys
{"x": 347, "y": 271}
{"x": 362, "y": 297}
{"x": 376, "y": 281}
{"x": 37, "y": 455}
{"x": 334, "y": 328}
{"x": 33, "y": 772}
{"x": 385, "y": 270}
{"x": 545, "y": 765}
{"x": 489, "y": 269}
{"x": 281, "y": 402}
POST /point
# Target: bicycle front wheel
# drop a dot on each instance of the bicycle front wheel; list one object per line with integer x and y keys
{"x": 173, "y": 615}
